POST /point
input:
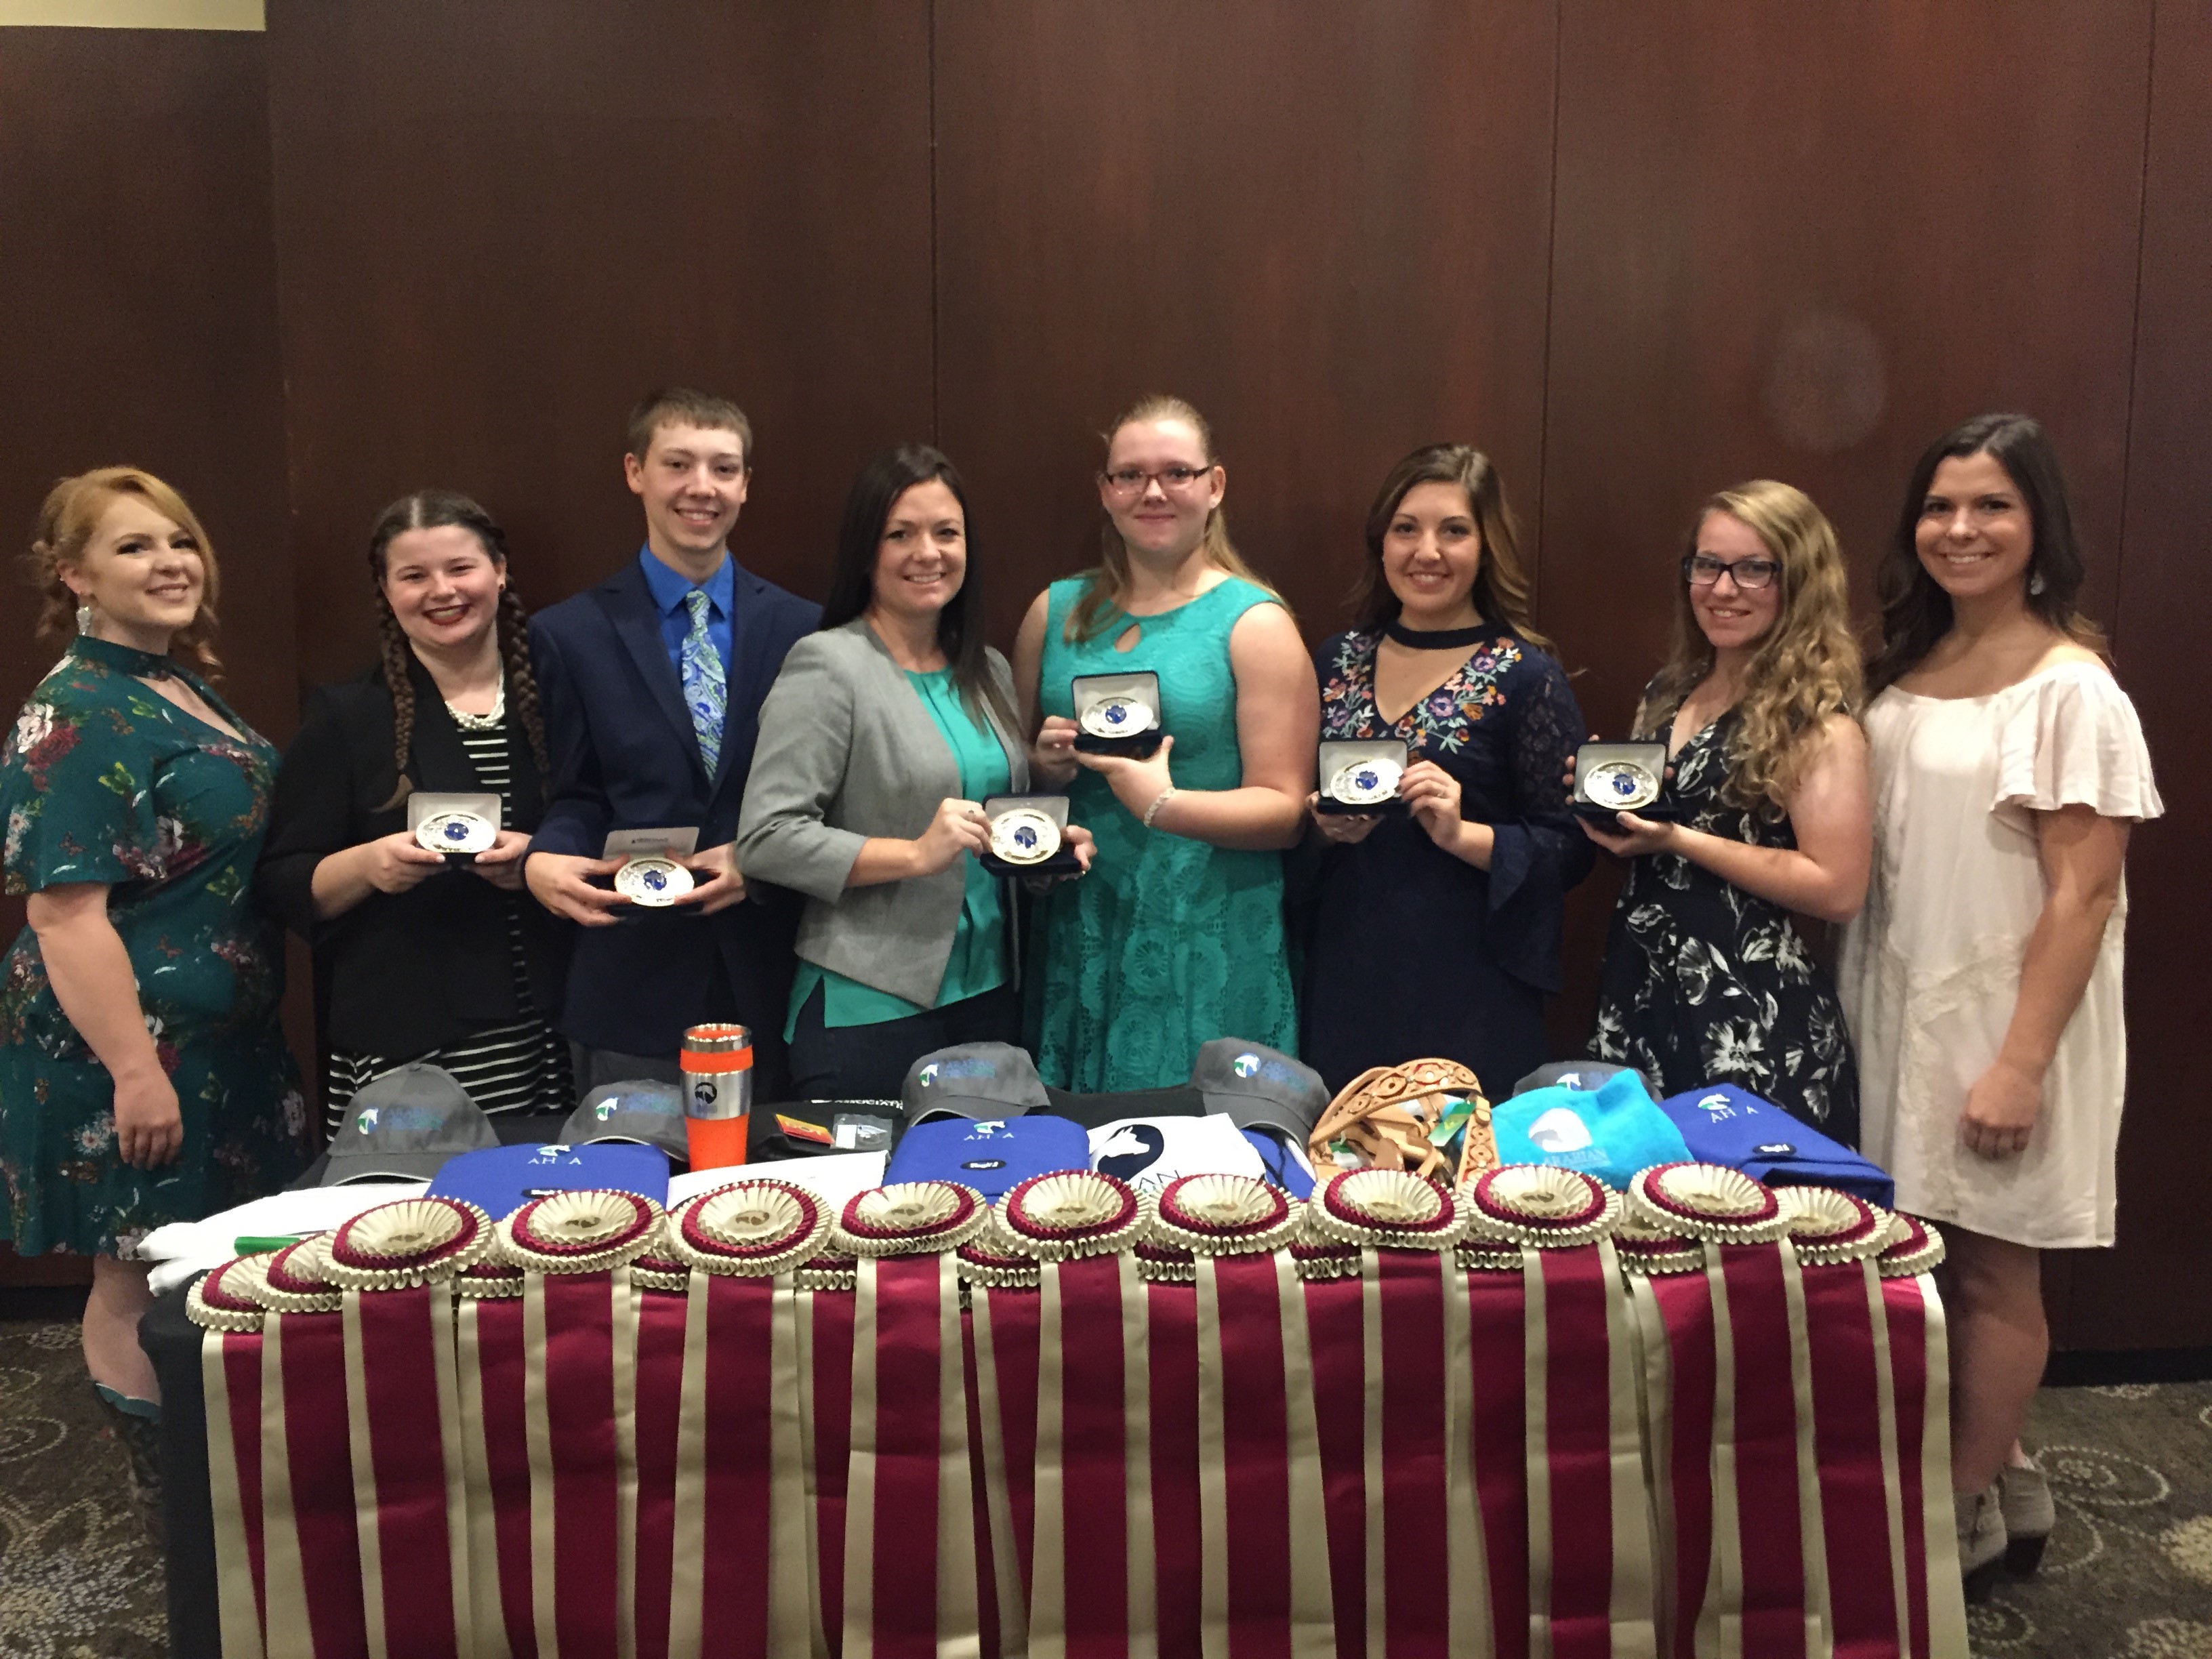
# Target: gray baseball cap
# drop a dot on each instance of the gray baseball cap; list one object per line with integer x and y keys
{"x": 1257, "y": 1087}
{"x": 1579, "y": 1075}
{"x": 640, "y": 1110}
{"x": 403, "y": 1124}
{"x": 981, "y": 1080}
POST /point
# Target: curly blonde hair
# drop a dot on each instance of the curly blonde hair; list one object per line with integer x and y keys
{"x": 66, "y": 525}
{"x": 1805, "y": 670}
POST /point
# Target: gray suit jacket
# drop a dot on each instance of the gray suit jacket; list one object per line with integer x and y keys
{"x": 847, "y": 750}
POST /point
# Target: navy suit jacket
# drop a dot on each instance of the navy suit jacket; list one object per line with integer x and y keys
{"x": 625, "y": 757}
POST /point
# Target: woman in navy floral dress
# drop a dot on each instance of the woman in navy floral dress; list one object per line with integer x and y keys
{"x": 1436, "y": 930}
{"x": 144, "y": 1077}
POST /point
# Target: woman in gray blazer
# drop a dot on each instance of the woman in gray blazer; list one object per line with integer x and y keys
{"x": 881, "y": 738}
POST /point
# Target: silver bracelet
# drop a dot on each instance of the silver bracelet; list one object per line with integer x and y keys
{"x": 1159, "y": 801}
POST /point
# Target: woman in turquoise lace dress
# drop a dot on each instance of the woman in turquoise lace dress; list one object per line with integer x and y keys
{"x": 144, "y": 1077}
{"x": 1176, "y": 935}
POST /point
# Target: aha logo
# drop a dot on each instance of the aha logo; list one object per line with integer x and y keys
{"x": 949, "y": 1069}
{"x": 702, "y": 1093}
{"x": 604, "y": 1110}
{"x": 1560, "y": 1131}
{"x": 366, "y": 1120}
{"x": 989, "y": 1127}
{"x": 1246, "y": 1065}
{"x": 1719, "y": 1106}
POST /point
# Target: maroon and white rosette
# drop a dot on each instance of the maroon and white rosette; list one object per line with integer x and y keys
{"x": 660, "y": 1270}
{"x": 739, "y": 1454}
{"x": 991, "y": 1260}
{"x": 909, "y": 1217}
{"x": 1912, "y": 1362}
{"x": 1223, "y": 1215}
{"x": 416, "y": 1240}
{"x": 310, "y": 1522}
{"x": 590, "y": 1230}
{"x": 1707, "y": 1201}
{"x": 1536, "y": 1206}
{"x": 396, "y": 1264}
{"x": 1589, "y": 1562}
{"x": 750, "y": 1229}
{"x": 1843, "y": 1465}
{"x": 1645, "y": 1250}
{"x": 1093, "y": 1551}
{"x": 1259, "y": 1460}
{"x": 908, "y": 1579}
{"x": 222, "y": 1304}
{"x": 1830, "y": 1228}
{"x": 1384, "y": 1209}
{"x": 296, "y": 1279}
{"x": 227, "y": 1298}
{"x": 1766, "y": 1574}
{"x": 1914, "y": 1248}
{"x": 1072, "y": 1214}
{"x": 580, "y": 1392}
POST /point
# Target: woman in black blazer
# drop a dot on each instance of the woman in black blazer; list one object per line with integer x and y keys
{"x": 413, "y": 960}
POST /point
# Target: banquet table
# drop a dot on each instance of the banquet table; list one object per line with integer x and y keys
{"x": 1356, "y": 1432}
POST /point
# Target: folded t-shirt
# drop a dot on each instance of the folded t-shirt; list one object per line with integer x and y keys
{"x": 1609, "y": 1132}
{"x": 992, "y": 1155}
{"x": 1149, "y": 1152}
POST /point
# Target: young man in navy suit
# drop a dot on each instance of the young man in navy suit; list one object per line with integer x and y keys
{"x": 652, "y": 685}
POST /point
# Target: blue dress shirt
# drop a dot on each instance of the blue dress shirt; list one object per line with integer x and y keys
{"x": 669, "y": 588}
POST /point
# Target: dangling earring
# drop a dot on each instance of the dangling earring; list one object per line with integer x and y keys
{"x": 2036, "y": 584}
{"x": 84, "y": 618}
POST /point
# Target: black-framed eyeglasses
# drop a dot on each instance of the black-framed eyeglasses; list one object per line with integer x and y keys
{"x": 1130, "y": 481}
{"x": 1702, "y": 570}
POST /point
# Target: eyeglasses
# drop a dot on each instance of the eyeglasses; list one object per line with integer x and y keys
{"x": 1128, "y": 481}
{"x": 1702, "y": 570}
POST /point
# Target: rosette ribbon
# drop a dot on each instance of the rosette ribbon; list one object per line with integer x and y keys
{"x": 1912, "y": 1359}
{"x": 223, "y": 1305}
{"x": 579, "y": 1418}
{"x": 1835, "y": 1237}
{"x": 1395, "y": 1445}
{"x": 909, "y": 1579}
{"x": 1768, "y": 1574}
{"x": 310, "y": 1537}
{"x": 740, "y": 1465}
{"x": 1092, "y": 1495}
{"x": 1589, "y": 1568}
{"x": 396, "y": 1264}
{"x": 1264, "y": 1584}
{"x": 489, "y": 1360}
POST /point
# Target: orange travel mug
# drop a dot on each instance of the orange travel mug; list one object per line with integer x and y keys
{"x": 718, "y": 1097}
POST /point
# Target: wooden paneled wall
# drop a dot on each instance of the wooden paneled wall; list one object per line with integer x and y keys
{"x": 1638, "y": 253}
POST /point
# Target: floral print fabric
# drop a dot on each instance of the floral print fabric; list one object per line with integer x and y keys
{"x": 104, "y": 780}
{"x": 1705, "y": 983}
{"x": 1410, "y": 951}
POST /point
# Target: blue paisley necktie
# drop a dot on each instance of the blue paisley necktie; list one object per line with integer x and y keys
{"x": 704, "y": 692}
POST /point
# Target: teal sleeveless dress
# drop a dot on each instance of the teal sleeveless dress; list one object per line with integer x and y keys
{"x": 1167, "y": 943}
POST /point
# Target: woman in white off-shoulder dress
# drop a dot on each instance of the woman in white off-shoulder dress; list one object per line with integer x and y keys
{"x": 1983, "y": 978}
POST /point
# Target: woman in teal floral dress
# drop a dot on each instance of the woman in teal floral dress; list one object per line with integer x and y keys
{"x": 143, "y": 1078}
{"x": 1176, "y": 936}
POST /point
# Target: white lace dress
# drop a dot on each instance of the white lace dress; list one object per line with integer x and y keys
{"x": 1930, "y": 970}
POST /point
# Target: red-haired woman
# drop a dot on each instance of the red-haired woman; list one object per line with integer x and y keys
{"x": 144, "y": 1077}
{"x": 414, "y": 963}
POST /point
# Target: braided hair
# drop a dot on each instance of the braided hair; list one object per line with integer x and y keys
{"x": 432, "y": 509}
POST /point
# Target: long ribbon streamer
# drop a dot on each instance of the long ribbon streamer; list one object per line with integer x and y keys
{"x": 1846, "y": 1422}
{"x": 1005, "y": 1338}
{"x": 1497, "y": 1343}
{"x": 1178, "y": 1507}
{"x": 662, "y": 1316}
{"x": 409, "y": 1489}
{"x": 230, "y": 1375}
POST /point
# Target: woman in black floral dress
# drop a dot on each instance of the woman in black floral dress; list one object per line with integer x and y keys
{"x": 1705, "y": 978}
{"x": 1436, "y": 930}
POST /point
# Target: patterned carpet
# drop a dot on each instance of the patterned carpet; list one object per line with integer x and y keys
{"x": 2128, "y": 1575}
